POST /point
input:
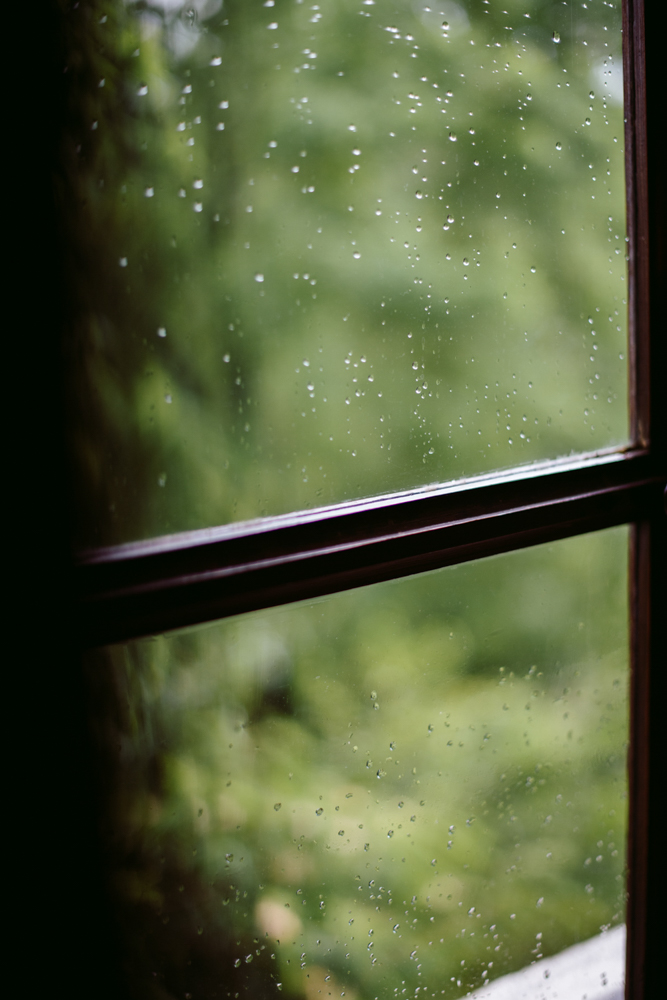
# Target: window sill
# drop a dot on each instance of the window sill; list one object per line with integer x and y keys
{"x": 592, "y": 970}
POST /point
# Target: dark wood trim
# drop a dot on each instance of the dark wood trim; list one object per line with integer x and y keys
{"x": 169, "y": 583}
{"x": 636, "y": 173}
{"x": 643, "y": 26}
{"x": 638, "y": 759}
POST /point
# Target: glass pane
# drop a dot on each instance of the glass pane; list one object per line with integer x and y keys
{"x": 327, "y": 251}
{"x": 408, "y": 789}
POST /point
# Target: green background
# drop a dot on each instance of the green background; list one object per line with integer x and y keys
{"x": 329, "y": 333}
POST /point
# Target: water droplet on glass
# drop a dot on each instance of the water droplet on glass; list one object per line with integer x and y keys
{"x": 259, "y": 277}
{"x": 216, "y": 61}
{"x": 465, "y": 261}
{"x": 277, "y": 806}
{"x": 452, "y": 137}
{"x": 123, "y": 261}
{"x": 143, "y": 90}
{"x": 149, "y": 192}
{"x": 161, "y": 331}
{"x": 559, "y": 145}
{"x": 272, "y": 26}
{"x": 555, "y": 37}
{"x": 318, "y": 812}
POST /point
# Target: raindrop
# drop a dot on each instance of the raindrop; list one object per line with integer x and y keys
{"x": 452, "y": 137}
{"x": 272, "y": 26}
{"x": 555, "y": 37}
{"x": 198, "y": 206}
{"x": 259, "y": 277}
{"x": 123, "y": 261}
{"x": 198, "y": 184}
{"x": 450, "y": 219}
{"x": 465, "y": 261}
{"x": 318, "y": 812}
{"x": 559, "y": 145}
{"x": 277, "y": 806}
{"x": 225, "y": 358}
{"x": 341, "y": 833}
{"x": 216, "y": 61}
{"x": 143, "y": 90}
{"x": 149, "y": 192}
{"x": 161, "y": 331}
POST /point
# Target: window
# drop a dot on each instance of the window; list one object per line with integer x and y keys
{"x": 142, "y": 588}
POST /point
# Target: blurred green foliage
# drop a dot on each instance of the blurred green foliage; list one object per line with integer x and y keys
{"x": 396, "y": 791}
{"x": 323, "y": 251}
{"x": 316, "y": 252}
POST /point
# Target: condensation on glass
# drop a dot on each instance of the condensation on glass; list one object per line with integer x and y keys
{"x": 324, "y": 251}
{"x": 410, "y": 789}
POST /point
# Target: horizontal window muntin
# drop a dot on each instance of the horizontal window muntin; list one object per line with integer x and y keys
{"x": 179, "y": 580}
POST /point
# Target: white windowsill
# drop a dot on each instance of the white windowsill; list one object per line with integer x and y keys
{"x": 592, "y": 970}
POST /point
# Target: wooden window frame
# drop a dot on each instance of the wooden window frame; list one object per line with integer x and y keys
{"x": 120, "y": 593}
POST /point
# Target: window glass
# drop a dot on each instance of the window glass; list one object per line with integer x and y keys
{"x": 414, "y": 787}
{"x": 323, "y": 251}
